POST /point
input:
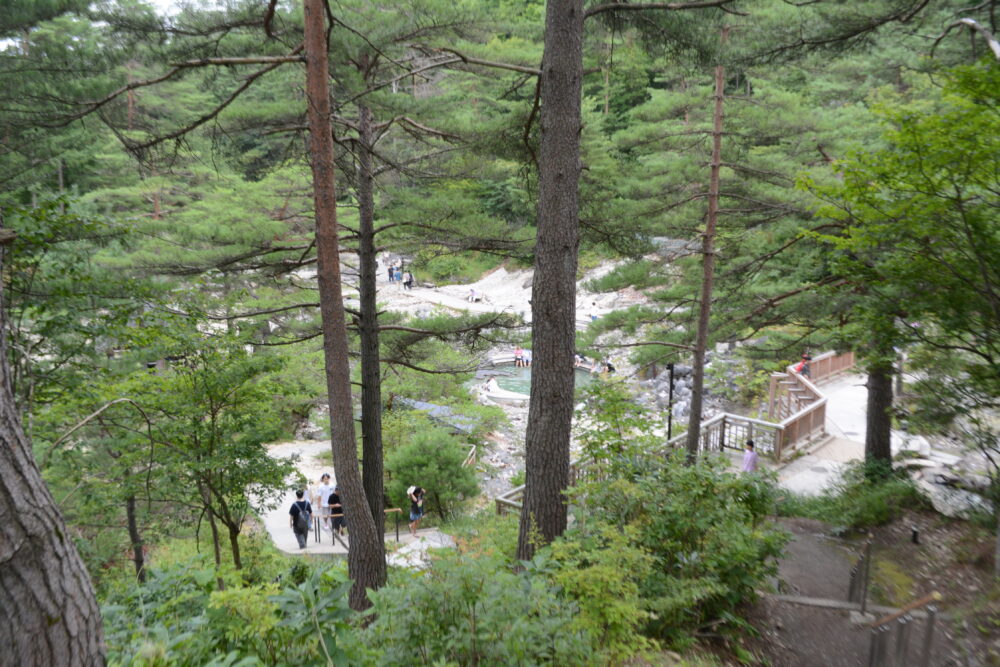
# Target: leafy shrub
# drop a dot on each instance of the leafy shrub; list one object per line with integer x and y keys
{"x": 178, "y": 618}
{"x": 468, "y": 610}
{"x": 703, "y": 527}
{"x": 640, "y": 273}
{"x": 433, "y": 460}
{"x": 859, "y": 499}
{"x": 602, "y": 571}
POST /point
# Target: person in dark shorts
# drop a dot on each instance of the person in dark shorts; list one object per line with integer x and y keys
{"x": 302, "y": 507}
{"x": 337, "y": 507}
{"x": 416, "y": 495}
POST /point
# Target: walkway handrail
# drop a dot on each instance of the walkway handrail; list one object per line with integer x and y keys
{"x": 878, "y": 652}
{"x": 731, "y": 431}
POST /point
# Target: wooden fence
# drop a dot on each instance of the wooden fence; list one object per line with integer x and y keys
{"x": 793, "y": 399}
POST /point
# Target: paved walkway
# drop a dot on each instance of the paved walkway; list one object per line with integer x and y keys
{"x": 846, "y": 414}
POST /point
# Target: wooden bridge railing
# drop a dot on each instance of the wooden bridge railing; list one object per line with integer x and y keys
{"x": 794, "y": 400}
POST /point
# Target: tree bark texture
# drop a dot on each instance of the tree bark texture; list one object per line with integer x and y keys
{"x": 371, "y": 377}
{"x": 708, "y": 274}
{"x": 366, "y": 555}
{"x": 879, "y": 418}
{"x": 135, "y": 538}
{"x": 48, "y": 613}
{"x": 553, "y": 293}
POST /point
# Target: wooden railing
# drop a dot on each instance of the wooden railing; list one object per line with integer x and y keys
{"x": 798, "y": 405}
{"x": 794, "y": 400}
{"x": 725, "y": 431}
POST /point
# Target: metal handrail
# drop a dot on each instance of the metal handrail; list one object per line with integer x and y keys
{"x": 878, "y": 653}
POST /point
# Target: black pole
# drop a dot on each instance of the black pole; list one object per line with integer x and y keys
{"x": 670, "y": 403}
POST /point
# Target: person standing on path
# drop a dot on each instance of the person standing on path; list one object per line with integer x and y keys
{"x": 300, "y": 518}
{"x": 416, "y": 495}
{"x": 324, "y": 499}
{"x": 337, "y": 507}
{"x": 408, "y": 280}
{"x": 749, "y": 458}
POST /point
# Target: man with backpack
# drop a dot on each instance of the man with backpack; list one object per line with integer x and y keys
{"x": 300, "y": 518}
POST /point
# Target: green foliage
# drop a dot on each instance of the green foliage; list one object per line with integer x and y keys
{"x": 476, "y": 611}
{"x": 860, "y": 499}
{"x": 176, "y": 618}
{"x": 639, "y": 274}
{"x": 617, "y": 427}
{"x": 433, "y": 460}
{"x": 749, "y": 384}
{"x": 603, "y": 570}
{"x": 442, "y": 266}
{"x": 704, "y": 528}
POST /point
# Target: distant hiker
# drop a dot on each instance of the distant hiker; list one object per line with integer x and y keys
{"x": 416, "y": 495}
{"x": 300, "y": 518}
{"x": 337, "y": 507}
{"x": 408, "y": 280}
{"x": 802, "y": 368}
{"x": 398, "y": 274}
{"x": 749, "y": 458}
{"x": 392, "y": 272}
{"x": 593, "y": 311}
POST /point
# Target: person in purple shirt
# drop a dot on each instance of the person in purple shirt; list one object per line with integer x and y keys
{"x": 749, "y": 458}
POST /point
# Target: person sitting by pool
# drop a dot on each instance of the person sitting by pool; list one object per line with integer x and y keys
{"x": 491, "y": 385}
{"x": 597, "y": 366}
{"x": 474, "y": 296}
{"x": 609, "y": 367}
{"x": 518, "y": 356}
{"x": 580, "y": 360}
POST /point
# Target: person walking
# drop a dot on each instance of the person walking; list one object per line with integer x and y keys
{"x": 416, "y": 495}
{"x": 337, "y": 507}
{"x": 749, "y": 458}
{"x": 324, "y": 499}
{"x": 408, "y": 280}
{"x": 300, "y": 518}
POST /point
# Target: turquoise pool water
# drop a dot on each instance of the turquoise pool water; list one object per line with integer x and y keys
{"x": 519, "y": 379}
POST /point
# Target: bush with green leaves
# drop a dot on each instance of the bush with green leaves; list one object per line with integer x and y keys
{"x": 433, "y": 460}
{"x": 861, "y": 498}
{"x": 179, "y": 618}
{"x": 704, "y": 528}
{"x": 603, "y": 570}
{"x": 615, "y": 428}
{"x": 474, "y": 610}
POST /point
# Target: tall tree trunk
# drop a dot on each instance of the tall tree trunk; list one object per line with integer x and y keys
{"x": 366, "y": 556}
{"x": 371, "y": 377}
{"x": 216, "y": 542}
{"x": 553, "y": 292}
{"x": 138, "y": 557}
{"x": 234, "y": 545}
{"x": 878, "y": 448}
{"x": 708, "y": 274}
{"x": 50, "y": 615}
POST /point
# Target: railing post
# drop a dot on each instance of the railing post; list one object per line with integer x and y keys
{"x": 925, "y": 657}
{"x": 866, "y": 569}
{"x": 902, "y": 637}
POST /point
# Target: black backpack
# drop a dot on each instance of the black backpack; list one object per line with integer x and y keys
{"x": 302, "y": 519}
